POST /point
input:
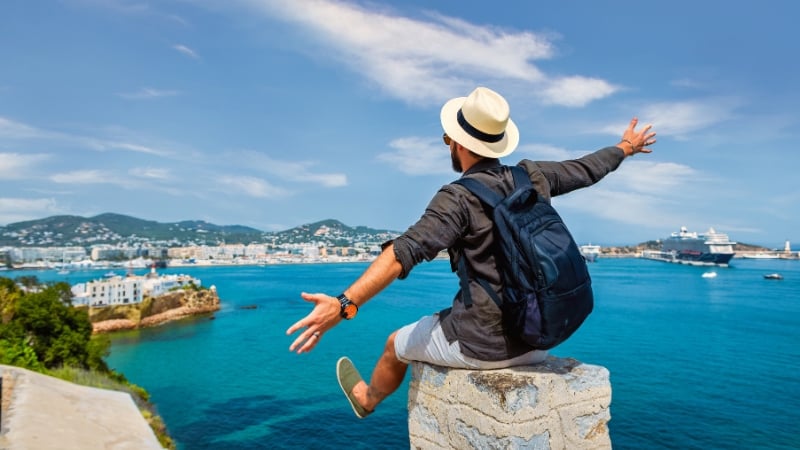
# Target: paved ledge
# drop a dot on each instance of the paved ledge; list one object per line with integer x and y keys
{"x": 47, "y": 413}
{"x": 559, "y": 404}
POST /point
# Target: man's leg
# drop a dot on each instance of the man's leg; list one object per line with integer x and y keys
{"x": 386, "y": 377}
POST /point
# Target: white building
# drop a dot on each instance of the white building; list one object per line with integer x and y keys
{"x": 129, "y": 290}
{"x": 155, "y": 285}
{"x": 110, "y": 291}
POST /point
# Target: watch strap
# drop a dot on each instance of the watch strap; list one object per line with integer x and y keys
{"x": 345, "y": 302}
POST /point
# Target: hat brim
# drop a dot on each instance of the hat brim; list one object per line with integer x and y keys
{"x": 503, "y": 147}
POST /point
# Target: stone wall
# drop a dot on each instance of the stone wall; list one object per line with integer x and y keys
{"x": 559, "y": 404}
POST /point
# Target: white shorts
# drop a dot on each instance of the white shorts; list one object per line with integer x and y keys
{"x": 424, "y": 341}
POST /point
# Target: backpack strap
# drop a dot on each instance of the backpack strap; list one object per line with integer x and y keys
{"x": 480, "y": 190}
{"x": 521, "y": 177}
{"x": 463, "y": 280}
{"x": 492, "y": 199}
{"x": 488, "y": 196}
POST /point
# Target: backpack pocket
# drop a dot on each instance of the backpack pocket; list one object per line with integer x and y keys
{"x": 563, "y": 313}
{"x": 523, "y": 318}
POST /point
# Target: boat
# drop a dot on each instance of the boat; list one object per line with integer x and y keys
{"x": 773, "y": 276}
{"x": 698, "y": 249}
{"x": 760, "y": 255}
{"x": 590, "y": 252}
{"x": 709, "y": 275}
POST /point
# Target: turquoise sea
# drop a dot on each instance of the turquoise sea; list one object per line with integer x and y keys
{"x": 696, "y": 363}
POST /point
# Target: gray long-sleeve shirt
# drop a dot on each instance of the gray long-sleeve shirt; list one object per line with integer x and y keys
{"x": 455, "y": 220}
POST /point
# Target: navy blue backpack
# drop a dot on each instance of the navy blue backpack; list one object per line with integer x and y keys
{"x": 547, "y": 291}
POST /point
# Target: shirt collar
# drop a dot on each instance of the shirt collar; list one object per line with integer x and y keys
{"x": 483, "y": 164}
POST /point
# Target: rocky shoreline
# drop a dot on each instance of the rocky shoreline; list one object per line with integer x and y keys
{"x": 163, "y": 309}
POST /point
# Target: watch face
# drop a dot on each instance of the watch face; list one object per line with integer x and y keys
{"x": 349, "y": 310}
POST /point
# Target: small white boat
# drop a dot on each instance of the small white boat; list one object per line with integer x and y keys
{"x": 590, "y": 252}
{"x": 709, "y": 274}
{"x": 773, "y": 276}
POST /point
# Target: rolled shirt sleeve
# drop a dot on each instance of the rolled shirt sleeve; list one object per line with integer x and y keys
{"x": 443, "y": 222}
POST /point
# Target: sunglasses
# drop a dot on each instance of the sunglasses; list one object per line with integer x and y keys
{"x": 446, "y": 139}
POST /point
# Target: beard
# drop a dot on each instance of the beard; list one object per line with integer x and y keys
{"x": 456, "y": 162}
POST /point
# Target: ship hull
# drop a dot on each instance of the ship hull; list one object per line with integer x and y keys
{"x": 709, "y": 249}
{"x": 691, "y": 259}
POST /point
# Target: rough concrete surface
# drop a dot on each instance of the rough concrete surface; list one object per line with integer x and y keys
{"x": 47, "y": 413}
{"x": 560, "y": 404}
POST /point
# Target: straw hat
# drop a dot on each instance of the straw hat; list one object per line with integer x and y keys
{"x": 481, "y": 123}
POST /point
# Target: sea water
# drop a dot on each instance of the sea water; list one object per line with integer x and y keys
{"x": 695, "y": 362}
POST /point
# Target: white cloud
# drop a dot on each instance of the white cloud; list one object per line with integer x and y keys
{"x": 15, "y": 165}
{"x": 630, "y": 208}
{"x": 10, "y": 129}
{"x": 86, "y": 177}
{"x": 654, "y": 178}
{"x": 640, "y": 193}
{"x": 425, "y": 61}
{"x": 679, "y": 119}
{"x": 186, "y": 51}
{"x": 135, "y": 178}
{"x": 545, "y": 152}
{"x": 418, "y": 156}
{"x": 253, "y": 187}
{"x": 147, "y": 93}
{"x": 576, "y": 91}
{"x": 19, "y": 209}
{"x": 299, "y": 171}
{"x": 16, "y": 130}
{"x": 150, "y": 172}
{"x": 138, "y": 148}
{"x": 132, "y": 8}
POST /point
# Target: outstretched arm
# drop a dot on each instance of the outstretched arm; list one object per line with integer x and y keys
{"x": 326, "y": 312}
{"x": 637, "y": 141}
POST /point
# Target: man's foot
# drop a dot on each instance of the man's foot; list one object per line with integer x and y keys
{"x": 349, "y": 377}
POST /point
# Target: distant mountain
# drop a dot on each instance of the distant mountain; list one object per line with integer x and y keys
{"x": 330, "y": 232}
{"x": 112, "y": 228}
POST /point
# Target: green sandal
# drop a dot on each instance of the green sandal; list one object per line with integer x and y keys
{"x": 348, "y": 377}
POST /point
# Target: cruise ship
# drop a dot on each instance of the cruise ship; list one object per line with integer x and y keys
{"x": 699, "y": 249}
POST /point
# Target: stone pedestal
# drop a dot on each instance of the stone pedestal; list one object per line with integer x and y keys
{"x": 558, "y": 404}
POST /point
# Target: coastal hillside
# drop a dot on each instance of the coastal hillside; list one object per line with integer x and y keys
{"x": 112, "y": 228}
{"x": 118, "y": 229}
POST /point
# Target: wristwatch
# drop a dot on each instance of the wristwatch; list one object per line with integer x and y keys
{"x": 349, "y": 309}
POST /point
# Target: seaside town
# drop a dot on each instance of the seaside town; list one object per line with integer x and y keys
{"x": 86, "y": 247}
{"x": 122, "y": 257}
{"x": 322, "y": 242}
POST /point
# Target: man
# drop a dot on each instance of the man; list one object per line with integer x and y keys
{"x": 478, "y": 129}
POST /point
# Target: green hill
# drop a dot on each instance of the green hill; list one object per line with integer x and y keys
{"x": 110, "y": 228}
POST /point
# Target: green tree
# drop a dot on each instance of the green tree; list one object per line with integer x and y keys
{"x": 9, "y": 294}
{"x": 58, "y": 334}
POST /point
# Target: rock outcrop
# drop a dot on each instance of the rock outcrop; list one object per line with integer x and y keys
{"x": 559, "y": 404}
{"x": 154, "y": 311}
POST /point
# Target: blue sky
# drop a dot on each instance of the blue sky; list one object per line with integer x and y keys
{"x": 272, "y": 114}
